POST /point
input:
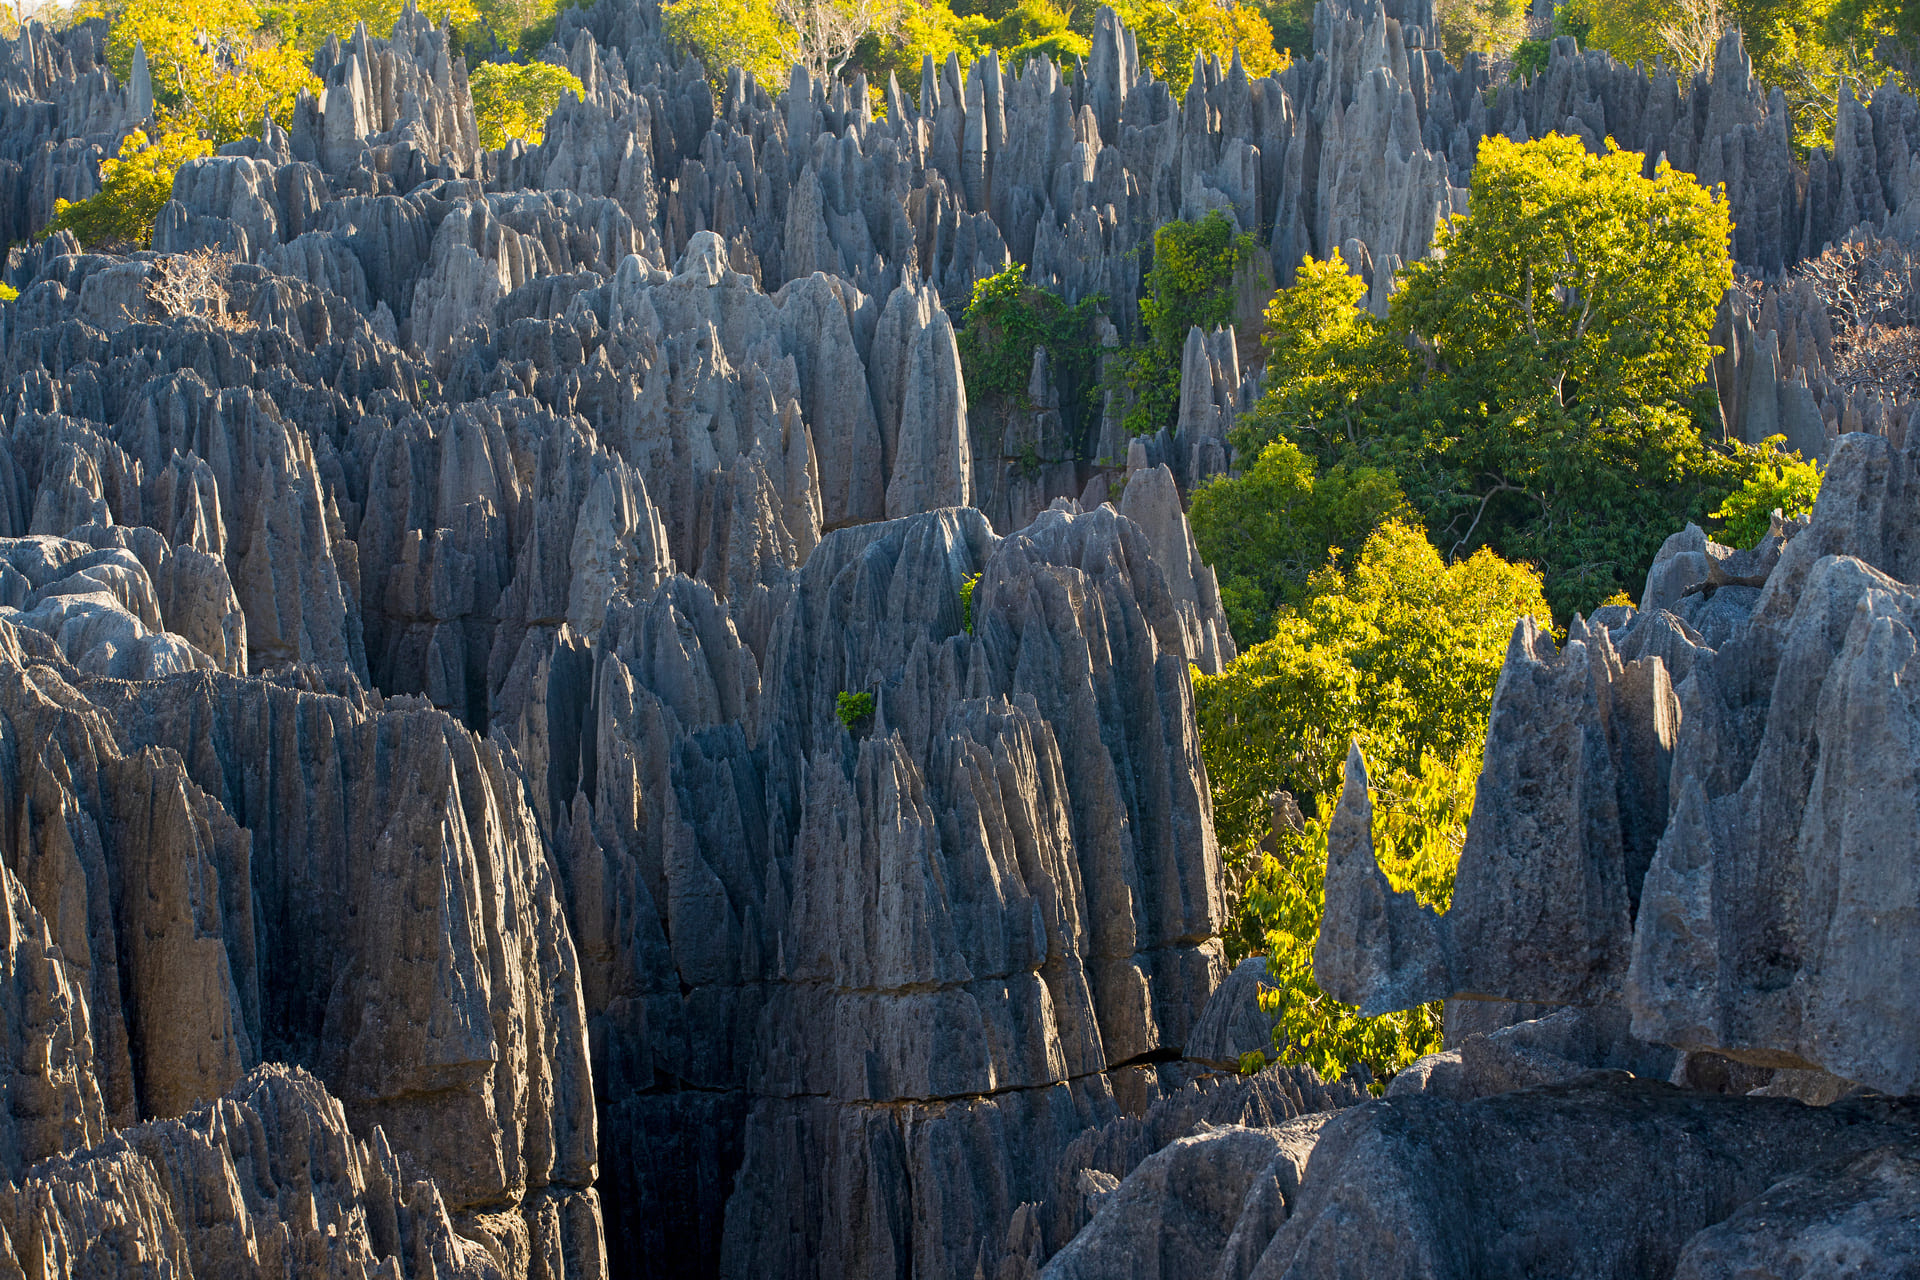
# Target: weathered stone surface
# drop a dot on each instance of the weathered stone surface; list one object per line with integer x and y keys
{"x": 1174, "y": 1214}
{"x": 487, "y": 582}
{"x": 1581, "y": 1179}
{"x": 1856, "y": 1215}
{"x": 266, "y": 1181}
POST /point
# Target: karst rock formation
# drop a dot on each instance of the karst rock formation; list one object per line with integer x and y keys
{"x": 431, "y": 842}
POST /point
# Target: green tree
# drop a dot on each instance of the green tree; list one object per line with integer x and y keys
{"x": 1401, "y": 655}
{"x": 1807, "y": 48}
{"x": 1551, "y": 408}
{"x": 133, "y": 188}
{"x": 732, "y": 33}
{"x": 1483, "y": 26}
{"x": 1778, "y": 481}
{"x": 1291, "y": 22}
{"x": 514, "y": 99}
{"x": 213, "y": 66}
{"x": 1330, "y": 362}
{"x": 1005, "y": 320}
{"x": 1190, "y": 283}
{"x": 307, "y": 24}
{"x": 1170, "y": 34}
{"x": 1268, "y": 530}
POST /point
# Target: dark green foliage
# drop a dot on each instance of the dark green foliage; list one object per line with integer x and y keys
{"x": 1777, "y": 481}
{"x": 1292, "y": 23}
{"x": 1268, "y": 530}
{"x": 1006, "y": 320}
{"x": 854, "y": 709}
{"x": 1530, "y": 57}
{"x": 1189, "y": 284}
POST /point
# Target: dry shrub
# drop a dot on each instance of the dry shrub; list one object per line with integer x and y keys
{"x": 1865, "y": 283}
{"x": 1871, "y": 290}
{"x": 195, "y": 284}
{"x": 1883, "y": 360}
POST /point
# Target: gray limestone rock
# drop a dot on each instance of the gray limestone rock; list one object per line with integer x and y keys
{"x": 265, "y": 1181}
{"x": 1588, "y": 1178}
{"x": 1852, "y": 1216}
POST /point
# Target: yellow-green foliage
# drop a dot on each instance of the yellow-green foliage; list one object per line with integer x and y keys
{"x": 214, "y": 68}
{"x": 1575, "y": 280}
{"x": 1171, "y": 33}
{"x": 1267, "y": 530}
{"x": 8, "y": 293}
{"x": 1419, "y": 825}
{"x": 1401, "y": 655}
{"x": 733, "y": 33}
{"x": 132, "y": 190}
{"x": 1809, "y": 48}
{"x": 1327, "y": 356}
{"x": 1536, "y": 385}
{"x": 853, "y": 708}
{"x": 967, "y": 587}
{"x": 1484, "y": 26}
{"x": 1777, "y": 481}
{"x": 307, "y": 24}
{"x": 513, "y": 100}
{"x": 759, "y": 36}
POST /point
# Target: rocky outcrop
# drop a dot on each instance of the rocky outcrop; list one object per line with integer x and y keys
{"x": 267, "y": 1180}
{"x": 1505, "y": 1185}
{"x": 429, "y": 677}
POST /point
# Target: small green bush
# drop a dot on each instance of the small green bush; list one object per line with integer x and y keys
{"x": 1190, "y": 284}
{"x": 1777, "y": 480}
{"x": 966, "y": 601}
{"x": 1005, "y": 320}
{"x": 10, "y": 294}
{"x": 853, "y": 708}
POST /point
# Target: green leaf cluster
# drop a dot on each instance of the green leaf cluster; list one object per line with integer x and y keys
{"x": 1170, "y": 34}
{"x": 1809, "y": 49}
{"x": 1191, "y": 283}
{"x": 132, "y": 190}
{"x": 1005, "y": 320}
{"x": 513, "y": 100}
{"x": 1536, "y": 384}
{"x": 1778, "y": 480}
{"x": 1401, "y": 654}
{"x": 853, "y": 708}
{"x": 966, "y": 602}
{"x": 1266, "y": 531}
{"x": 216, "y": 66}
{"x": 8, "y": 293}
{"x": 1420, "y": 824}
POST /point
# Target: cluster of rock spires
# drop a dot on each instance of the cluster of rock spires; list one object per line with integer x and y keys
{"x": 431, "y": 844}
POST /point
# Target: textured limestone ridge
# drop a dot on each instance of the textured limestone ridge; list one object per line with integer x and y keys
{"x": 1854, "y": 1210}
{"x": 223, "y": 871}
{"x": 102, "y": 603}
{"x": 265, "y": 1181}
{"x": 393, "y": 112}
{"x": 1152, "y": 501}
{"x": 1425, "y": 1186}
{"x": 1377, "y": 948}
